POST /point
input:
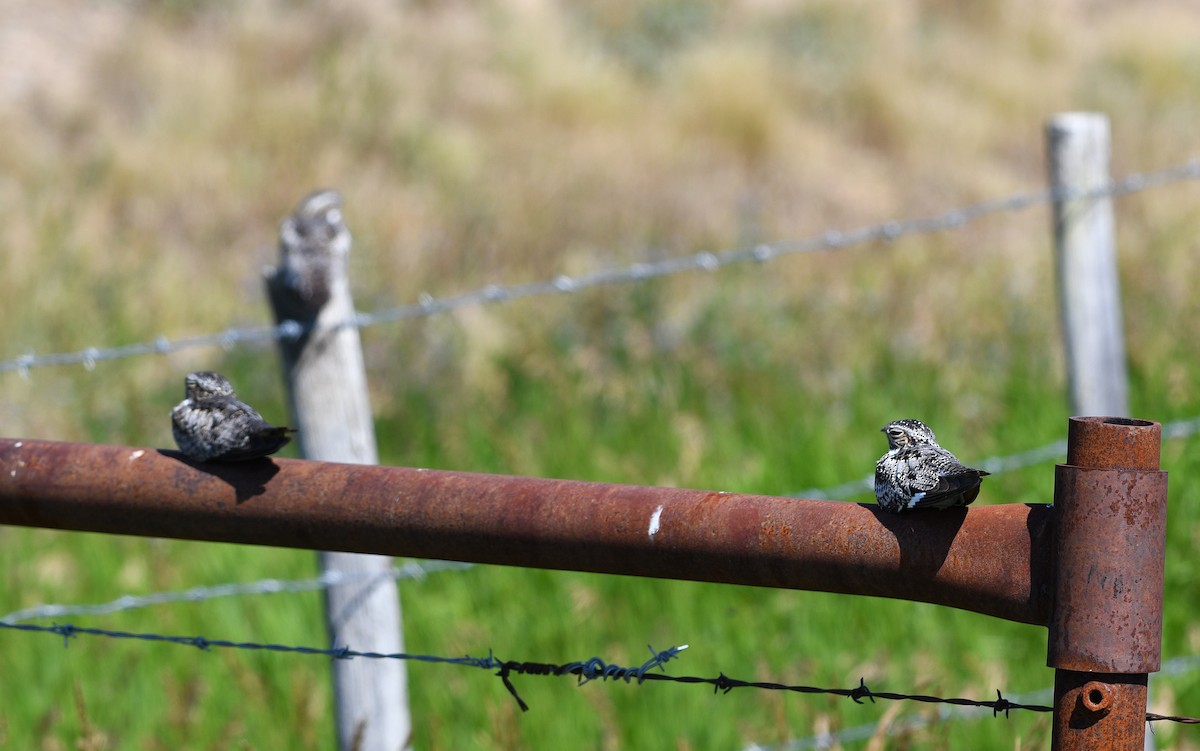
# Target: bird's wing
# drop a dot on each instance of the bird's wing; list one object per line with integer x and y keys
{"x": 261, "y": 442}
{"x": 943, "y": 481}
{"x": 238, "y": 412}
{"x": 243, "y": 432}
{"x": 951, "y": 490}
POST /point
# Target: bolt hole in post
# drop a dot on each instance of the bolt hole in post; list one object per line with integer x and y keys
{"x": 1097, "y": 696}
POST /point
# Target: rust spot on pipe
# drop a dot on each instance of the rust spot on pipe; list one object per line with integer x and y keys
{"x": 1111, "y": 546}
{"x": 990, "y": 560}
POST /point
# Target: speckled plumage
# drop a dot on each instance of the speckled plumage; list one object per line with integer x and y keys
{"x": 917, "y": 472}
{"x": 212, "y": 425}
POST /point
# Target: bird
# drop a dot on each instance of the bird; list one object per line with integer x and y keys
{"x": 917, "y": 473}
{"x": 212, "y": 425}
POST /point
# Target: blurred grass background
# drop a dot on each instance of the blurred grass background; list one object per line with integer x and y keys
{"x": 151, "y": 150}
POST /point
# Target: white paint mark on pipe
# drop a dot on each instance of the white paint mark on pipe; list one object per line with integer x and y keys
{"x": 654, "y": 521}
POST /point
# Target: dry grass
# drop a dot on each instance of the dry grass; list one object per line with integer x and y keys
{"x": 150, "y": 151}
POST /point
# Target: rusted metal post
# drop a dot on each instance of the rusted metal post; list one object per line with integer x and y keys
{"x": 1105, "y": 625}
{"x": 990, "y": 559}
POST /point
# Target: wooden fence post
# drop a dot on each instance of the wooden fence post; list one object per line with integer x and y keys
{"x": 327, "y": 393}
{"x": 1089, "y": 287}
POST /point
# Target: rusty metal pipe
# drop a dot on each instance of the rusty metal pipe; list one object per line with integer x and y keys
{"x": 1105, "y": 625}
{"x": 989, "y": 559}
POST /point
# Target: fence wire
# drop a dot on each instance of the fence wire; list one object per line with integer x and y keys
{"x": 595, "y": 668}
{"x": 427, "y": 305}
{"x": 827, "y": 740}
{"x": 585, "y": 671}
{"x": 409, "y": 570}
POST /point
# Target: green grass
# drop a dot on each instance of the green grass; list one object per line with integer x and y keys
{"x": 144, "y": 176}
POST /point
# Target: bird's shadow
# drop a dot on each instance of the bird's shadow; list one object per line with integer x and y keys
{"x": 924, "y": 537}
{"x": 247, "y": 478}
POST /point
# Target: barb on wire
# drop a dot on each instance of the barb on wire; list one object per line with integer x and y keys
{"x": 428, "y": 305}
{"x": 1174, "y": 666}
{"x": 585, "y": 671}
{"x": 409, "y": 570}
{"x": 899, "y": 725}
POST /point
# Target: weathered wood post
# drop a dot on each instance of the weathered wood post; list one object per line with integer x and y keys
{"x": 327, "y": 393}
{"x": 1089, "y": 288}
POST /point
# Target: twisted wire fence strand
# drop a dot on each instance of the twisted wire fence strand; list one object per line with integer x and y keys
{"x": 427, "y": 305}
{"x": 585, "y": 671}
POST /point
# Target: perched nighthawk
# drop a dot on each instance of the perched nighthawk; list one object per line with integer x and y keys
{"x": 211, "y": 424}
{"x": 918, "y": 473}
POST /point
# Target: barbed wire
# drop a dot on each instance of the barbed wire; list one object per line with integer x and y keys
{"x": 585, "y": 671}
{"x": 1174, "y": 666}
{"x": 408, "y": 570}
{"x": 427, "y": 305}
{"x": 956, "y": 708}
{"x": 899, "y": 725}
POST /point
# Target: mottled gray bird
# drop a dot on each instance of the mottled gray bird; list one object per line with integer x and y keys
{"x": 212, "y": 424}
{"x": 310, "y": 241}
{"x": 916, "y": 472}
